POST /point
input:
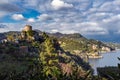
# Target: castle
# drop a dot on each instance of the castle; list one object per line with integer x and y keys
{"x": 29, "y": 34}
{"x": 27, "y": 28}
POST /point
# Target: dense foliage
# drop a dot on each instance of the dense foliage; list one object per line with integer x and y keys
{"x": 40, "y": 60}
{"x": 30, "y": 55}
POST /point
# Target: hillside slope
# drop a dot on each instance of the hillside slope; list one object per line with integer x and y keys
{"x": 28, "y": 56}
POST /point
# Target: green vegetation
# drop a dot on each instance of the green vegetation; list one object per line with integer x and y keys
{"x": 114, "y": 45}
{"x": 40, "y": 59}
{"x": 27, "y": 55}
{"x": 49, "y": 59}
{"x": 119, "y": 69}
{"x": 108, "y": 73}
{"x": 81, "y": 46}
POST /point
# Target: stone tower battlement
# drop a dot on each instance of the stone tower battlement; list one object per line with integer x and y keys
{"x": 27, "y": 28}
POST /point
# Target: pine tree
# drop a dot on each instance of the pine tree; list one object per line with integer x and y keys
{"x": 49, "y": 59}
{"x": 49, "y": 45}
{"x": 45, "y": 36}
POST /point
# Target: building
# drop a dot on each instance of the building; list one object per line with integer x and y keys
{"x": 4, "y": 41}
{"x": 94, "y": 47}
{"x": 106, "y": 49}
{"x": 29, "y": 34}
{"x": 27, "y": 28}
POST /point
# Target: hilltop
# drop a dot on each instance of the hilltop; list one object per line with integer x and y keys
{"x": 80, "y": 44}
{"x": 40, "y": 55}
{"x": 28, "y": 55}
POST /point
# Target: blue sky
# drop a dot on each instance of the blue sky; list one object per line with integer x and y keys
{"x": 88, "y": 17}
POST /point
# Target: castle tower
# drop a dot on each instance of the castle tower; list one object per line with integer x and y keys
{"x": 27, "y": 28}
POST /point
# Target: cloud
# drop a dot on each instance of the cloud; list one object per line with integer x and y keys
{"x": 2, "y": 14}
{"x": 3, "y": 26}
{"x": 39, "y": 5}
{"x": 44, "y": 17}
{"x": 99, "y": 16}
{"x": 6, "y": 1}
{"x": 69, "y": 31}
{"x": 18, "y": 17}
{"x": 117, "y": 32}
{"x": 59, "y": 4}
{"x": 10, "y": 8}
{"x": 3, "y": 30}
{"x": 110, "y": 6}
{"x": 112, "y": 19}
{"x": 7, "y": 7}
{"x": 88, "y": 17}
{"x": 54, "y": 30}
{"x": 91, "y": 28}
{"x": 31, "y": 20}
{"x": 32, "y": 3}
{"x": 11, "y": 27}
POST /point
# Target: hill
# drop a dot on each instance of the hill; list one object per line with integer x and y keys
{"x": 74, "y": 43}
{"x": 78, "y": 44}
{"x": 28, "y": 55}
{"x": 32, "y": 54}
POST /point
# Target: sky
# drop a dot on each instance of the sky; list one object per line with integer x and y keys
{"x": 89, "y": 17}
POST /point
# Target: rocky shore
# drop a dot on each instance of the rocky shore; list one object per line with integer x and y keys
{"x": 94, "y": 55}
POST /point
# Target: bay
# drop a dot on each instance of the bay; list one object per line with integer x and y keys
{"x": 109, "y": 59}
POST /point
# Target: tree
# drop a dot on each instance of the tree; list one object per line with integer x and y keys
{"x": 119, "y": 68}
{"x": 49, "y": 59}
{"x": 49, "y": 44}
{"x": 24, "y": 35}
{"x": 45, "y": 36}
{"x": 10, "y": 38}
{"x": 30, "y": 33}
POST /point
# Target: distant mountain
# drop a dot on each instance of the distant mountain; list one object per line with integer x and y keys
{"x": 75, "y": 39}
{"x": 77, "y": 42}
{"x": 74, "y": 35}
{"x": 45, "y": 56}
{"x": 106, "y": 38}
{"x": 4, "y": 35}
{"x": 42, "y": 58}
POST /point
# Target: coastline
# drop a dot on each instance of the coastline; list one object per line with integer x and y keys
{"x": 95, "y": 57}
{"x": 98, "y": 55}
{"x": 110, "y": 60}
